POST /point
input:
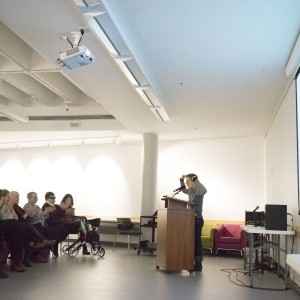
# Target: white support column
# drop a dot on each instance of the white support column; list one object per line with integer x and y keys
{"x": 149, "y": 173}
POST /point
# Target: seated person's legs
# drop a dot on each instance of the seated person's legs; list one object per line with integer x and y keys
{"x": 57, "y": 232}
{"x": 31, "y": 235}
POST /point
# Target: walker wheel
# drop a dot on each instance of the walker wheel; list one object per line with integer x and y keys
{"x": 64, "y": 249}
{"x": 101, "y": 251}
{"x": 73, "y": 252}
{"x": 94, "y": 250}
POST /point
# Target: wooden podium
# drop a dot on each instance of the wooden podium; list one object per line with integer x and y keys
{"x": 174, "y": 203}
{"x": 175, "y": 236}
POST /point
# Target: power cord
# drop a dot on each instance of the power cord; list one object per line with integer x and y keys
{"x": 243, "y": 284}
{"x": 271, "y": 266}
{"x": 293, "y": 228}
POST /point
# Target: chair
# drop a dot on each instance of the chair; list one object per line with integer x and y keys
{"x": 230, "y": 237}
{"x": 208, "y": 237}
{"x": 126, "y": 227}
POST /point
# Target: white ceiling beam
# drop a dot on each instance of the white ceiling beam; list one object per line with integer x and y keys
{"x": 14, "y": 48}
{"x": 60, "y": 85}
{"x": 12, "y": 115}
{"x": 35, "y": 89}
{"x": 4, "y": 101}
{"x": 15, "y": 95}
{"x": 21, "y": 56}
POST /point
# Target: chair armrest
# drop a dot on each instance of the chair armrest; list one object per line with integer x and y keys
{"x": 212, "y": 233}
{"x": 218, "y": 231}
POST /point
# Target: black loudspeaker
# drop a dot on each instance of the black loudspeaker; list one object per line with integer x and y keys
{"x": 276, "y": 217}
{"x": 255, "y": 218}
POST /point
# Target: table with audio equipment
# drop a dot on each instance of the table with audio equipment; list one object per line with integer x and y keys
{"x": 268, "y": 239}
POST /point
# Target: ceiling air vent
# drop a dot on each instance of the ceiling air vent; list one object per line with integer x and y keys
{"x": 75, "y": 124}
{"x": 71, "y": 118}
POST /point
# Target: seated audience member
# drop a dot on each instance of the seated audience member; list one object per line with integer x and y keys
{"x": 12, "y": 234}
{"x": 37, "y": 219}
{"x": 22, "y": 215}
{"x": 68, "y": 203}
{"x": 15, "y": 234}
{"x": 7, "y": 213}
{"x": 37, "y": 256}
{"x": 54, "y": 219}
{"x": 36, "y": 214}
{"x": 69, "y": 219}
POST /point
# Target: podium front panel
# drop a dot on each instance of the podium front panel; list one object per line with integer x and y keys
{"x": 175, "y": 239}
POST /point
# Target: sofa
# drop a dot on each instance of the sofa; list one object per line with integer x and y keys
{"x": 208, "y": 236}
{"x": 229, "y": 237}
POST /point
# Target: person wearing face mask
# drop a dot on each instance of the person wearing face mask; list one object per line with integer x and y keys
{"x": 196, "y": 191}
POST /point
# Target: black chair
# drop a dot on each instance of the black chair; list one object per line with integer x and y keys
{"x": 126, "y": 227}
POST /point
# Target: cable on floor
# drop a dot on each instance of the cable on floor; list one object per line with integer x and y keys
{"x": 243, "y": 284}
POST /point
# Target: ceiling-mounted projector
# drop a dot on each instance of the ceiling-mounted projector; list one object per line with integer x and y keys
{"x": 76, "y": 57}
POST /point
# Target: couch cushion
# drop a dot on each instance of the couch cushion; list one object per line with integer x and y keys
{"x": 232, "y": 230}
{"x": 231, "y": 240}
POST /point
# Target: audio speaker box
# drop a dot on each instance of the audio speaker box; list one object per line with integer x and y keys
{"x": 276, "y": 217}
{"x": 255, "y": 218}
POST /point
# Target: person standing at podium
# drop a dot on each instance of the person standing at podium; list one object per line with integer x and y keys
{"x": 196, "y": 191}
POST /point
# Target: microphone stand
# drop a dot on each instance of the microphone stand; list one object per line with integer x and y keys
{"x": 177, "y": 192}
{"x": 173, "y": 195}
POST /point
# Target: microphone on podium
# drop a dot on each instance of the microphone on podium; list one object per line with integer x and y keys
{"x": 179, "y": 189}
{"x": 256, "y": 208}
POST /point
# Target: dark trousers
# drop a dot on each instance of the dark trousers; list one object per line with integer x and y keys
{"x": 41, "y": 252}
{"x": 31, "y": 234}
{"x": 56, "y": 231}
{"x": 198, "y": 232}
{"x": 13, "y": 234}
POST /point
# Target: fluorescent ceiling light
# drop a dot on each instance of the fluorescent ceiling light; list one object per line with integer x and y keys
{"x": 160, "y": 113}
{"x": 93, "y": 10}
{"x": 8, "y": 113}
{"x": 294, "y": 60}
{"x": 91, "y": 13}
{"x": 124, "y": 57}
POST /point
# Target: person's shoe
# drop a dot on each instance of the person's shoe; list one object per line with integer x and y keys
{"x": 27, "y": 264}
{"x": 43, "y": 244}
{"x": 3, "y": 275}
{"x": 40, "y": 259}
{"x": 17, "y": 268}
{"x": 55, "y": 250}
{"x": 39, "y": 245}
{"x": 86, "y": 252}
{"x": 198, "y": 266}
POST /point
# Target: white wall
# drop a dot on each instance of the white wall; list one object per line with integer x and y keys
{"x": 232, "y": 171}
{"x": 281, "y": 165}
{"x": 281, "y": 157}
{"x": 105, "y": 180}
